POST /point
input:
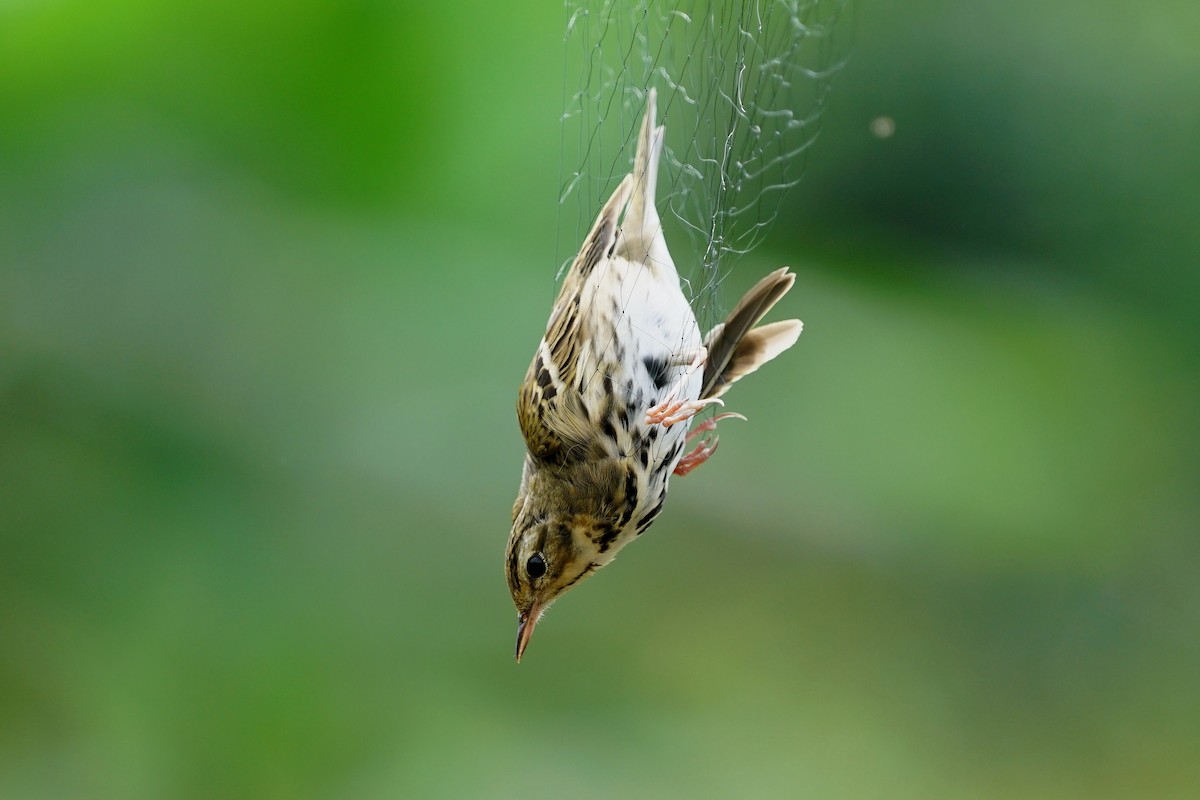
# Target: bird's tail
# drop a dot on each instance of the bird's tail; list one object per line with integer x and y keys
{"x": 736, "y": 348}
{"x": 641, "y": 237}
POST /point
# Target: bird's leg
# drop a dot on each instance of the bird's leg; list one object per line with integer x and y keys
{"x": 670, "y": 410}
{"x": 707, "y": 445}
{"x": 692, "y": 359}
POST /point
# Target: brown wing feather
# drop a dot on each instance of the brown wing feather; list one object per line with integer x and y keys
{"x": 550, "y": 409}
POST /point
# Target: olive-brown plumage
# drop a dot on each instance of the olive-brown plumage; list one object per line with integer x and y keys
{"x": 605, "y": 404}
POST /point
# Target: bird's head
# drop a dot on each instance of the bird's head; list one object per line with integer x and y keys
{"x": 547, "y": 555}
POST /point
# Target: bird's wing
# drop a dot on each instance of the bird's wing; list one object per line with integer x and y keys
{"x": 550, "y": 407}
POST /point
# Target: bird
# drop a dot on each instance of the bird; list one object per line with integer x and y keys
{"x": 610, "y": 394}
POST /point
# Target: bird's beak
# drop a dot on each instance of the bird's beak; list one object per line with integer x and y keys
{"x": 525, "y": 622}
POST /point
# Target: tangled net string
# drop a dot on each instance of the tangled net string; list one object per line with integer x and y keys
{"x": 742, "y": 85}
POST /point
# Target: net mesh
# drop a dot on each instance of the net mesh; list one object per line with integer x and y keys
{"x": 742, "y": 85}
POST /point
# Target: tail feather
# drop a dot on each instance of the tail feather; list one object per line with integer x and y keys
{"x": 641, "y": 237}
{"x": 736, "y": 348}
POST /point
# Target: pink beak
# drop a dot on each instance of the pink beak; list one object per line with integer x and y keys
{"x": 525, "y": 623}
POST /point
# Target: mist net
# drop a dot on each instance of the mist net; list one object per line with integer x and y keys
{"x": 742, "y": 85}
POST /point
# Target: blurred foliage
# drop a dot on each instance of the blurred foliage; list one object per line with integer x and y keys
{"x": 269, "y": 275}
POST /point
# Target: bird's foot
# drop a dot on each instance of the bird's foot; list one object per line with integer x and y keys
{"x": 669, "y": 410}
{"x": 707, "y": 445}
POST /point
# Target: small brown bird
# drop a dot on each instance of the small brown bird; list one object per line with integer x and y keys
{"x": 606, "y": 403}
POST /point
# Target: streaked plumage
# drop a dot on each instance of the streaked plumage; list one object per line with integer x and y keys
{"x": 621, "y": 368}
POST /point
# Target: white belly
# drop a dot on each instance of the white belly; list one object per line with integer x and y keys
{"x": 654, "y": 338}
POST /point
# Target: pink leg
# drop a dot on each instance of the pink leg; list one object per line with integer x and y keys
{"x": 707, "y": 446}
{"x": 670, "y": 411}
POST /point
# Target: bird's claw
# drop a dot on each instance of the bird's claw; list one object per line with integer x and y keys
{"x": 698, "y": 456}
{"x": 707, "y": 445}
{"x": 669, "y": 412}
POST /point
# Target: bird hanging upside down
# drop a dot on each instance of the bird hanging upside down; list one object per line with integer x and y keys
{"x": 615, "y": 381}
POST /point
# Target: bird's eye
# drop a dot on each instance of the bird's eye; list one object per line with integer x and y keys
{"x": 536, "y": 566}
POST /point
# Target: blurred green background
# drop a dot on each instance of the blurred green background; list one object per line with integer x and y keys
{"x": 270, "y": 273}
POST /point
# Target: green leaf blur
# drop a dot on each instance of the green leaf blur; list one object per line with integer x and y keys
{"x": 270, "y": 273}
